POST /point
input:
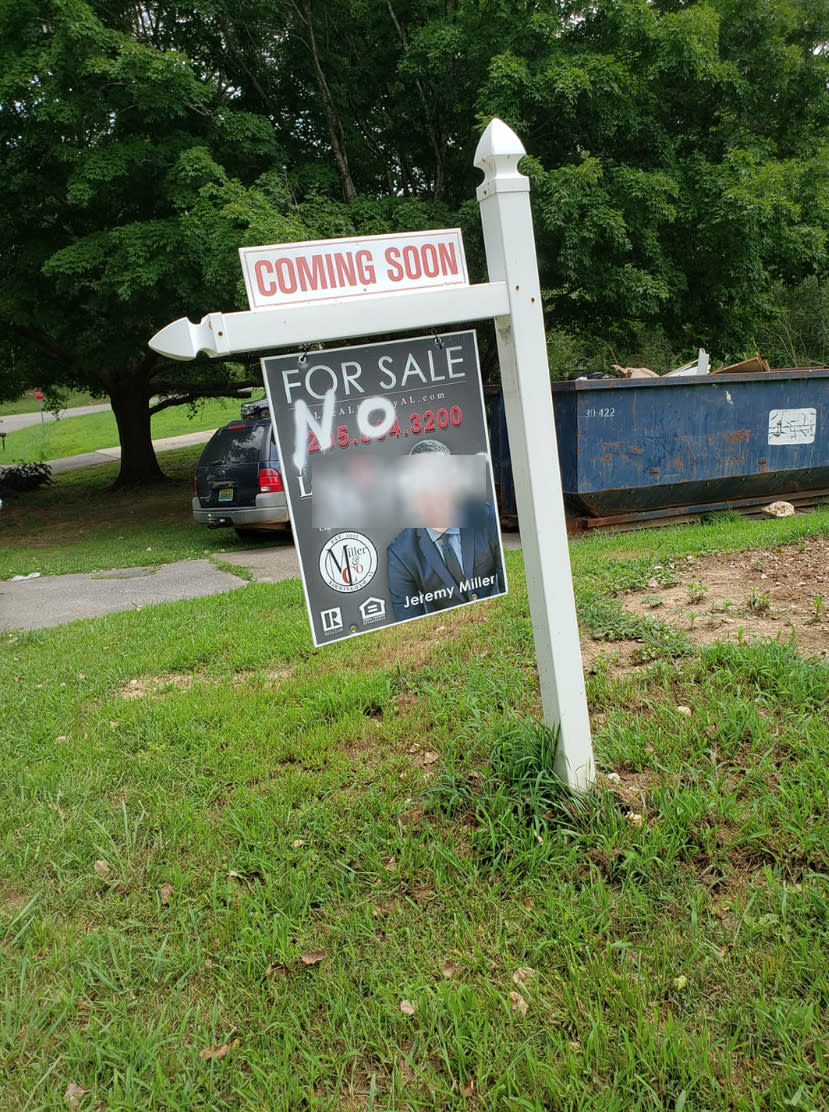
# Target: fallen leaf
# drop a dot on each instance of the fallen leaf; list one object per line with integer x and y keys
{"x": 73, "y": 1094}
{"x": 58, "y": 809}
{"x": 574, "y": 1045}
{"x": 297, "y": 842}
{"x": 214, "y": 1052}
{"x": 102, "y": 869}
{"x": 450, "y": 969}
{"x": 636, "y": 819}
{"x": 683, "y": 710}
{"x": 518, "y": 1003}
{"x": 60, "y": 738}
{"x": 468, "y": 1089}
{"x": 407, "y": 1008}
{"x": 165, "y": 891}
{"x": 680, "y": 982}
{"x": 415, "y": 748}
{"x": 311, "y": 957}
{"x": 430, "y": 758}
{"x": 522, "y": 974}
{"x": 276, "y": 971}
{"x": 390, "y": 864}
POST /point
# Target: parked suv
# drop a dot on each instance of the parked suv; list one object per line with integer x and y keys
{"x": 238, "y": 480}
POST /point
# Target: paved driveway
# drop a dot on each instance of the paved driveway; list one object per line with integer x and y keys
{"x": 52, "y": 600}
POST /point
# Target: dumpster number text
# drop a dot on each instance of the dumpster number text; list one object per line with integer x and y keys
{"x": 609, "y": 412}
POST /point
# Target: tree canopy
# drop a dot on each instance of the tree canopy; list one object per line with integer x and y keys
{"x": 677, "y": 153}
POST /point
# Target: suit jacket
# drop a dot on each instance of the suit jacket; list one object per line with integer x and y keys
{"x": 420, "y": 582}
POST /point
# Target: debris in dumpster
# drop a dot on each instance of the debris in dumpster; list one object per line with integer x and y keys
{"x": 634, "y": 372}
{"x": 698, "y": 366}
{"x": 751, "y": 366}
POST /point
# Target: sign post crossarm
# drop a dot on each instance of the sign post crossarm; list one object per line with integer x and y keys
{"x": 223, "y": 334}
{"x": 522, "y": 349}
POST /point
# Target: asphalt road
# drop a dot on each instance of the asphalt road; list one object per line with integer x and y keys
{"x": 11, "y": 422}
{"x": 14, "y": 421}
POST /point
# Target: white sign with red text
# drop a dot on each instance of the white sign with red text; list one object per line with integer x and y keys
{"x": 291, "y": 273}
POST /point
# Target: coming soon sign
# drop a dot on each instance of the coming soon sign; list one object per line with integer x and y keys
{"x": 290, "y": 273}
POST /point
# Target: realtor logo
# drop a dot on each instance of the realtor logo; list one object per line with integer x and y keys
{"x": 332, "y": 620}
{"x": 348, "y": 562}
{"x": 373, "y": 610}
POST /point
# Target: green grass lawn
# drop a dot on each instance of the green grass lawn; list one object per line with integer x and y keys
{"x": 70, "y": 436}
{"x": 240, "y": 873}
{"x": 27, "y": 404}
{"x": 79, "y": 523}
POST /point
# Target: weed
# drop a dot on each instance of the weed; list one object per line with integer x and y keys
{"x": 696, "y": 592}
{"x": 818, "y": 609}
{"x": 758, "y": 602}
{"x": 723, "y": 606}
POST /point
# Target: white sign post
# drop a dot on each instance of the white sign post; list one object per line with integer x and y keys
{"x": 504, "y": 197}
{"x": 512, "y": 298}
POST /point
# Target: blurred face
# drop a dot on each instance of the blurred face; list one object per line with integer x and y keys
{"x": 433, "y": 494}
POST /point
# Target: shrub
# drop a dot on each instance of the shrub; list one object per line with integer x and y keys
{"x": 24, "y": 476}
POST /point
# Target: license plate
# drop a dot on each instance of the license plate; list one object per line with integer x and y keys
{"x": 225, "y": 494}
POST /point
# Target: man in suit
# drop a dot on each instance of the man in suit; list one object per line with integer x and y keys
{"x": 434, "y": 568}
{"x": 451, "y": 553}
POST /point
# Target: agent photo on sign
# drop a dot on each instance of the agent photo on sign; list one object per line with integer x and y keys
{"x": 451, "y": 554}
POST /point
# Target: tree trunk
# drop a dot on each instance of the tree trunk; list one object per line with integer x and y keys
{"x": 332, "y": 116}
{"x": 130, "y": 397}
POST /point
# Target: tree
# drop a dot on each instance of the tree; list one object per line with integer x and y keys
{"x": 107, "y": 143}
{"x": 679, "y": 161}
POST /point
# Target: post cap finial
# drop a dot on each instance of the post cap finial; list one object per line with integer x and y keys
{"x": 497, "y": 155}
{"x": 178, "y": 340}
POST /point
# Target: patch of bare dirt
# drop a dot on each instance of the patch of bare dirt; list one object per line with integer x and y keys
{"x": 154, "y": 687}
{"x": 760, "y": 593}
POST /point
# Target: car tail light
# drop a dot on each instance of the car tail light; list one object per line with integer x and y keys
{"x": 270, "y": 481}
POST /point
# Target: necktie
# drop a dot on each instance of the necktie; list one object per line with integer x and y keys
{"x": 449, "y": 558}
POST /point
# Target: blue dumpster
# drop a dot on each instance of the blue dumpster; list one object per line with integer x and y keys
{"x": 644, "y": 448}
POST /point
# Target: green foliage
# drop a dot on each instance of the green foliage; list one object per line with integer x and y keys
{"x": 678, "y": 160}
{"x": 108, "y": 142}
{"x": 685, "y": 173}
{"x": 797, "y": 335}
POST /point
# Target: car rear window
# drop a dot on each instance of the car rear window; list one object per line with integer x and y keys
{"x": 236, "y": 444}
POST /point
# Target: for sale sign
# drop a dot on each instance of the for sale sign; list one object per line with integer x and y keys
{"x": 290, "y": 273}
{"x": 386, "y": 466}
